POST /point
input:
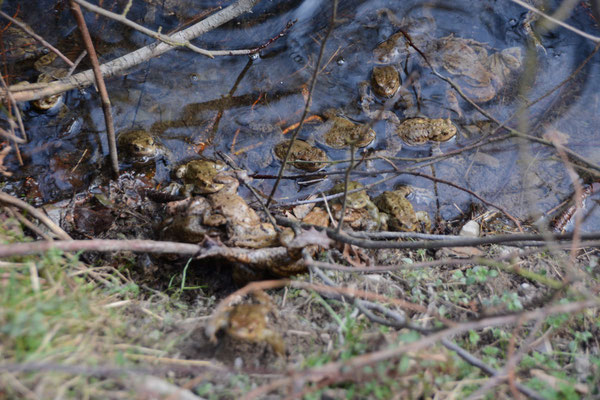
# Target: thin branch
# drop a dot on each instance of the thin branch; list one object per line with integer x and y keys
{"x": 106, "y": 108}
{"x": 522, "y": 238}
{"x": 13, "y": 105}
{"x": 12, "y": 137}
{"x": 143, "y": 246}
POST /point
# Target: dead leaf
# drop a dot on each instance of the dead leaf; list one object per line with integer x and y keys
{"x": 317, "y": 216}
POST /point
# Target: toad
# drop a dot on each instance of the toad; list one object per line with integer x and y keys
{"x": 198, "y": 176}
{"x": 402, "y": 216}
{"x": 361, "y": 213}
{"x": 139, "y": 147}
{"x": 465, "y": 60}
{"x": 243, "y": 225}
{"x": 301, "y": 151}
{"x": 339, "y": 132}
{"x": 248, "y": 322}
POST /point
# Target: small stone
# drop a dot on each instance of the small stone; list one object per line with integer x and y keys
{"x": 470, "y": 229}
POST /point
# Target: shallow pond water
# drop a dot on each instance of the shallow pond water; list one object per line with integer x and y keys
{"x": 239, "y": 106}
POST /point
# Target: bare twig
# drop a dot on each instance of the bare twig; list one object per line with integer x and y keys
{"x": 13, "y": 105}
{"x": 106, "y": 108}
{"x": 147, "y": 246}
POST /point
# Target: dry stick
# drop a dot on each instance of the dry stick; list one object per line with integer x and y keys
{"x": 139, "y": 56}
{"x": 144, "y": 246}
{"x": 152, "y": 246}
{"x": 76, "y": 63}
{"x": 34, "y": 228}
{"x": 339, "y": 371}
{"x": 8, "y": 199}
{"x": 37, "y": 37}
{"x": 106, "y": 108}
{"x": 536, "y": 239}
{"x": 308, "y": 103}
{"x": 374, "y": 269}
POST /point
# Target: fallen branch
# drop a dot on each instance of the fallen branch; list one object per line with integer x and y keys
{"x": 160, "y": 247}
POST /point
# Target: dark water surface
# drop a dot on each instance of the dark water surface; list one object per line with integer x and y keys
{"x": 240, "y": 105}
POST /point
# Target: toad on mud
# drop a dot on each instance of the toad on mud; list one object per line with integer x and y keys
{"x": 400, "y": 212}
{"x": 361, "y": 213}
{"x": 198, "y": 176}
{"x": 243, "y": 225}
{"x": 249, "y": 322}
{"x": 302, "y": 151}
{"x": 402, "y": 216}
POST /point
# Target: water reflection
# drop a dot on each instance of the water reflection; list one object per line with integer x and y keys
{"x": 241, "y": 107}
